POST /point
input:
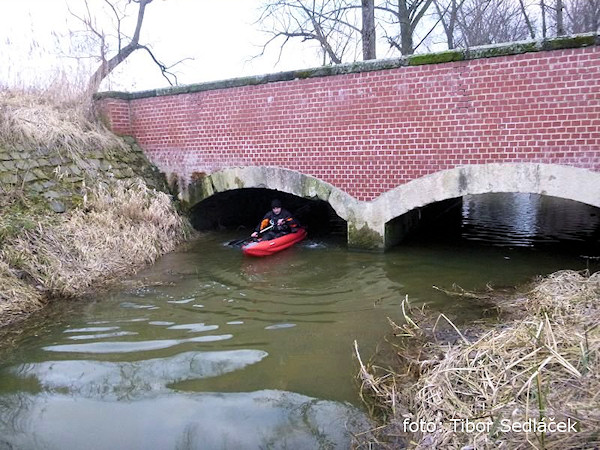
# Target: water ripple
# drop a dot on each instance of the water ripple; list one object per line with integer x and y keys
{"x": 127, "y": 347}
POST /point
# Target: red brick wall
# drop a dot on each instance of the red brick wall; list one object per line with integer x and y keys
{"x": 116, "y": 113}
{"x": 369, "y": 132}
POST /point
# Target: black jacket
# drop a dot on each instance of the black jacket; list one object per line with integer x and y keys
{"x": 288, "y": 225}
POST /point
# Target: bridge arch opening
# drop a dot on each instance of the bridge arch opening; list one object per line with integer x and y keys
{"x": 238, "y": 197}
{"x": 242, "y": 209}
{"x": 531, "y": 203}
{"x": 515, "y": 220}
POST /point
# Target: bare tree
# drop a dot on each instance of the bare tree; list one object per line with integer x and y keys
{"x": 330, "y": 23}
{"x": 583, "y": 16}
{"x": 407, "y": 14}
{"x": 448, "y": 15}
{"x": 569, "y": 16}
{"x": 484, "y": 22}
{"x": 543, "y": 18}
{"x": 110, "y": 48}
{"x": 528, "y": 21}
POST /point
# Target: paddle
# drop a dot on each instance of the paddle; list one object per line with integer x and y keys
{"x": 298, "y": 212}
{"x": 241, "y": 241}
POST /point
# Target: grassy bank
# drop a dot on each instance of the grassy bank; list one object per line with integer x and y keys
{"x": 119, "y": 228}
{"x": 529, "y": 381}
{"x": 76, "y": 209}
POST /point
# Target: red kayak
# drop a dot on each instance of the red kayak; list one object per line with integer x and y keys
{"x": 266, "y": 248}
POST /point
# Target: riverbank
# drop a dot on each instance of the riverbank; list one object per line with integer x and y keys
{"x": 529, "y": 380}
{"x": 80, "y": 207}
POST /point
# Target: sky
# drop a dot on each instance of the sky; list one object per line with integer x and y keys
{"x": 220, "y": 36}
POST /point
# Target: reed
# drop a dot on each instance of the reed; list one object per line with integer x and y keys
{"x": 541, "y": 364}
{"x": 17, "y": 297}
{"x": 119, "y": 228}
{"x": 53, "y": 122}
{"x": 112, "y": 227}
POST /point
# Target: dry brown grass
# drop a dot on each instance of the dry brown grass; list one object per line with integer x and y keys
{"x": 121, "y": 227}
{"x": 118, "y": 227}
{"x": 44, "y": 121}
{"x": 544, "y": 364}
{"x": 17, "y": 297}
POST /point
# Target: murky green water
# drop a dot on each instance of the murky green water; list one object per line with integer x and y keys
{"x": 211, "y": 349}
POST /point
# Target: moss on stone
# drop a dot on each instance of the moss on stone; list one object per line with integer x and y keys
{"x": 436, "y": 58}
{"x": 503, "y": 50}
{"x": 199, "y": 188}
{"x": 20, "y": 215}
{"x": 312, "y": 187}
{"x": 239, "y": 182}
{"x": 577, "y": 41}
{"x": 302, "y": 74}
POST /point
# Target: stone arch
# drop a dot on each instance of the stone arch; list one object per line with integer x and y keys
{"x": 284, "y": 180}
{"x": 566, "y": 182}
{"x": 571, "y": 183}
{"x": 368, "y": 221}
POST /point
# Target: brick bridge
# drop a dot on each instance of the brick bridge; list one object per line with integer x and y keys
{"x": 380, "y": 139}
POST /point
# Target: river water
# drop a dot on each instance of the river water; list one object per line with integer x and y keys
{"x": 211, "y": 349}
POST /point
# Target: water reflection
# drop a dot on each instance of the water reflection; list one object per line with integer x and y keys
{"x": 128, "y": 380}
{"x": 527, "y": 220}
{"x": 262, "y": 419}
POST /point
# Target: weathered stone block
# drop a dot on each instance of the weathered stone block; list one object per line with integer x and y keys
{"x": 74, "y": 169}
{"x": 40, "y": 174}
{"x": 36, "y": 187}
{"x": 93, "y": 163}
{"x": 127, "y": 172}
{"x": 57, "y": 206}
{"x": 23, "y": 165}
{"x": 57, "y": 161}
{"x": 10, "y": 166}
{"x": 52, "y": 194}
{"x": 105, "y": 165}
{"x": 8, "y": 178}
{"x": 28, "y": 177}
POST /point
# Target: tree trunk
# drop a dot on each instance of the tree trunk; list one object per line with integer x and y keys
{"x": 560, "y": 27}
{"x": 106, "y": 67}
{"x": 527, "y": 21}
{"x": 406, "y": 42}
{"x": 448, "y": 24}
{"x": 368, "y": 29}
{"x": 543, "y": 10}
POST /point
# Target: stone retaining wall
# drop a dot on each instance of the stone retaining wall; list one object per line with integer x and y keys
{"x": 59, "y": 176}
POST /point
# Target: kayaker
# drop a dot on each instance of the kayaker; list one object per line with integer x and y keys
{"x": 281, "y": 219}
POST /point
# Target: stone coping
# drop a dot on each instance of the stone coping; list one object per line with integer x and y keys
{"x": 488, "y": 51}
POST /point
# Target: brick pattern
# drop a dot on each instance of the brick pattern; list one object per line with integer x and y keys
{"x": 116, "y": 112}
{"x": 370, "y": 132}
